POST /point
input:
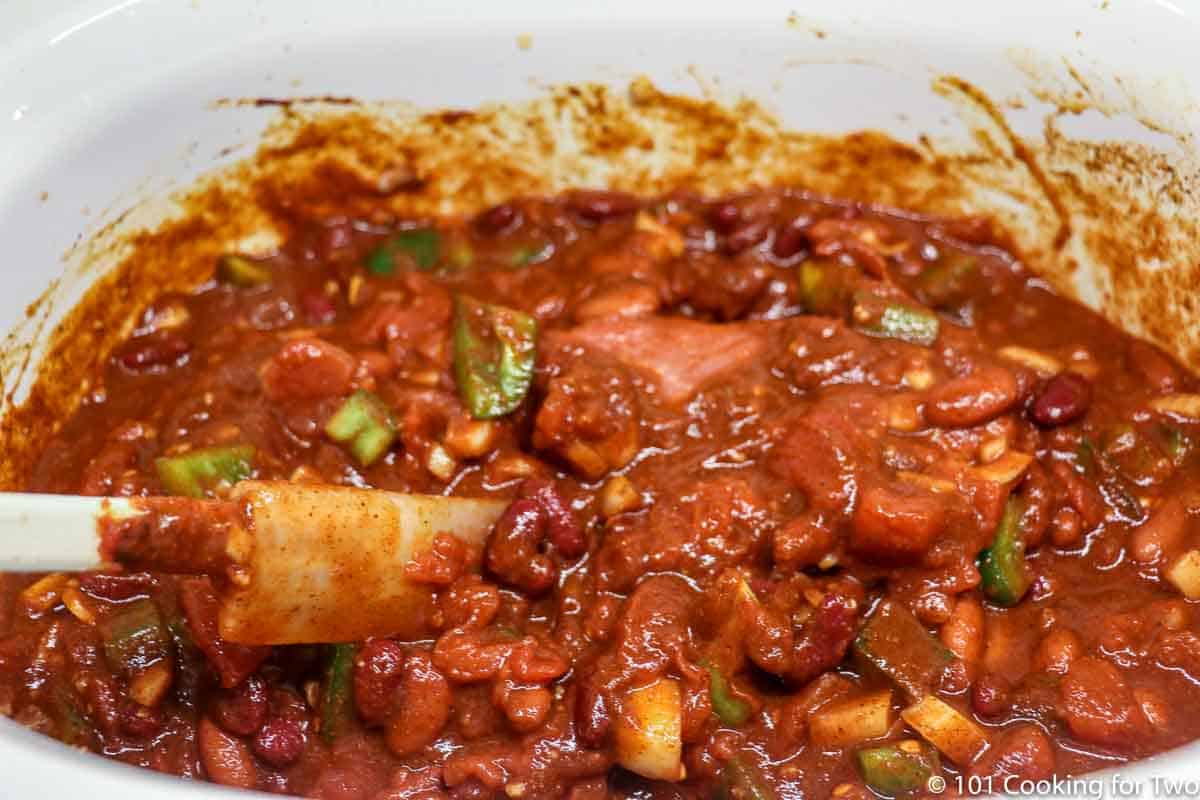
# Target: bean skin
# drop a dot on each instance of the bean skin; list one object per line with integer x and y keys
{"x": 154, "y": 353}
{"x": 242, "y": 709}
{"x": 1023, "y": 752}
{"x": 592, "y": 718}
{"x": 498, "y": 219}
{"x": 1064, "y": 399}
{"x": 597, "y": 205}
{"x": 425, "y": 707}
{"x": 725, "y": 216}
{"x": 1066, "y": 529}
{"x": 1098, "y": 705}
{"x": 563, "y": 530}
{"x": 1056, "y": 651}
{"x": 791, "y": 239}
{"x": 279, "y": 742}
{"x": 747, "y": 235}
{"x": 378, "y": 672}
{"x": 226, "y": 759}
{"x": 513, "y": 551}
{"x": 990, "y": 695}
{"x": 972, "y": 399}
{"x": 1159, "y": 536}
{"x": 963, "y": 632}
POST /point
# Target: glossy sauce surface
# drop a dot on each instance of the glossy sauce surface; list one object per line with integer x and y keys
{"x": 757, "y": 425}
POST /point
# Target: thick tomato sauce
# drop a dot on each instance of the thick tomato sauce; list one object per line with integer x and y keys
{"x": 757, "y": 427}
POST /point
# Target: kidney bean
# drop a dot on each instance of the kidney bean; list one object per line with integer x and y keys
{"x": 226, "y": 760}
{"x": 725, "y": 216}
{"x": 592, "y": 718}
{"x": 1023, "y": 752}
{"x": 279, "y": 742}
{"x": 971, "y": 399}
{"x": 963, "y": 632}
{"x": 470, "y": 656}
{"x": 1056, "y": 651}
{"x": 1159, "y": 536}
{"x": 1063, "y": 399}
{"x": 117, "y": 587}
{"x": 242, "y": 709}
{"x": 471, "y": 602}
{"x": 498, "y": 219}
{"x": 513, "y": 549}
{"x": 425, "y": 708}
{"x": 990, "y": 695}
{"x": 598, "y": 205}
{"x": 378, "y": 672}
{"x": 747, "y": 235}
{"x": 803, "y": 541}
{"x": 532, "y": 662}
{"x": 333, "y": 240}
{"x": 791, "y": 239}
{"x": 1039, "y": 498}
{"x": 318, "y": 307}
{"x": 154, "y": 353}
{"x": 563, "y": 529}
{"x": 1098, "y": 705}
{"x": 526, "y": 709}
{"x": 768, "y": 640}
{"x": 233, "y": 662}
{"x": 1154, "y": 707}
{"x": 1082, "y": 494}
{"x": 140, "y": 721}
{"x": 822, "y": 641}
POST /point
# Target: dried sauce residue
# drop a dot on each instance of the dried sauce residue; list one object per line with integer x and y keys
{"x": 1123, "y": 210}
{"x": 957, "y": 88}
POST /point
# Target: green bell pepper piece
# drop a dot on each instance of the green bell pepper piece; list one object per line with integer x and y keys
{"x": 525, "y": 255}
{"x": 946, "y": 283}
{"x": 895, "y": 644}
{"x": 136, "y": 638}
{"x": 336, "y": 699}
{"x": 906, "y": 323}
{"x": 423, "y": 246}
{"x": 1005, "y": 578}
{"x": 495, "y": 349}
{"x": 894, "y": 770}
{"x": 196, "y": 472}
{"x": 729, "y": 709}
{"x": 742, "y": 780}
{"x": 242, "y": 272}
{"x": 822, "y": 290}
{"x": 365, "y": 424}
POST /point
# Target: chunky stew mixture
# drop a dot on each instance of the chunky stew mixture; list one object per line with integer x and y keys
{"x": 803, "y": 499}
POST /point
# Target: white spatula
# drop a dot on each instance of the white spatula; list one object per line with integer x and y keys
{"x": 295, "y": 563}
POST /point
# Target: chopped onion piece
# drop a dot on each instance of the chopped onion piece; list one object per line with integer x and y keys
{"x": 946, "y": 728}
{"x": 852, "y": 721}
{"x": 649, "y": 731}
{"x": 1184, "y": 574}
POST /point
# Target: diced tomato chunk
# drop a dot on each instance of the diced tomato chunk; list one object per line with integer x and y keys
{"x": 308, "y": 368}
{"x": 897, "y": 523}
{"x": 233, "y": 662}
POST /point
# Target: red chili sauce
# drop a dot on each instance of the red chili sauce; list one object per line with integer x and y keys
{"x": 807, "y": 500}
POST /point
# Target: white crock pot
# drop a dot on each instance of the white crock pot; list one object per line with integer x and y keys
{"x": 107, "y": 106}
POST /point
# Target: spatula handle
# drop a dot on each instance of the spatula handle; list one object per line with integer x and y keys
{"x": 47, "y": 532}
